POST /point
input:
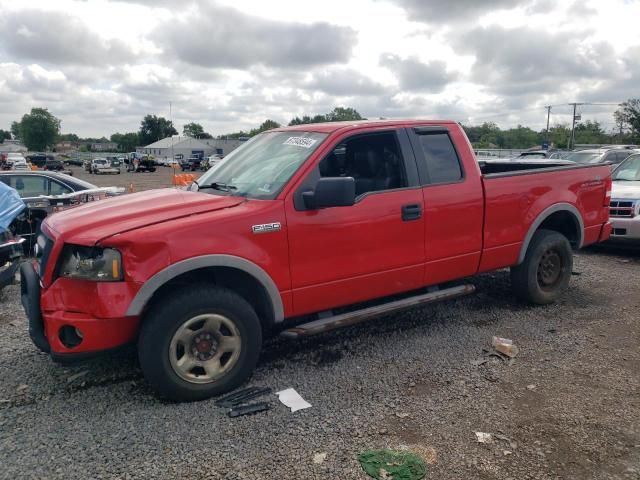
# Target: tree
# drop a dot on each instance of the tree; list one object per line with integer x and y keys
{"x": 266, "y": 125}
{"x": 68, "y": 137}
{"x": 38, "y": 129}
{"x": 4, "y": 135}
{"x": 15, "y": 129}
{"x": 153, "y": 128}
{"x": 338, "y": 114}
{"x": 342, "y": 114}
{"x": 628, "y": 115}
{"x": 192, "y": 130}
{"x": 127, "y": 142}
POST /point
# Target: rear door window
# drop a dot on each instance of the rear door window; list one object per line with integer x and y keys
{"x": 56, "y": 188}
{"x": 440, "y": 157}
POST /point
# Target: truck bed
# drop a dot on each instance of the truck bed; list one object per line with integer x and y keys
{"x": 518, "y": 193}
{"x": 495, "y": 168}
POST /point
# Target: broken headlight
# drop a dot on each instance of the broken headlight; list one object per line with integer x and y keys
{"x": 90, "y": 263}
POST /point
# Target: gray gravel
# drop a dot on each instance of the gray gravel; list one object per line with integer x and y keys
{"x": 568, "y": 406}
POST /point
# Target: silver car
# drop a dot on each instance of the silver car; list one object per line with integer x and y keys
{"x": 625, "y": 200}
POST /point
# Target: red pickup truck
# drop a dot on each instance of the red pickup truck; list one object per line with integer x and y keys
{"x": 293, "y": 233}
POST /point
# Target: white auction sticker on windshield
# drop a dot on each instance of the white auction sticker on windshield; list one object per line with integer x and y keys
{"x": 303, "y": 142}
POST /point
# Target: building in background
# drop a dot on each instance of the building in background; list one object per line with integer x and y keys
{"x": 104, "y": 147}
{"x": 12, "y": 146}
{"x": 178, "y": 147}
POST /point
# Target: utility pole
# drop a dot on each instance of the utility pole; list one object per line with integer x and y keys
{"x": 548, "y": 107}
{"x": 573, "y": 125}
{"x": 171, "y": 120}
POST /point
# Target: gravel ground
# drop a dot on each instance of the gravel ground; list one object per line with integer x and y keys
{"x": 162, "y": 177}
{"x": 568, "y": 406}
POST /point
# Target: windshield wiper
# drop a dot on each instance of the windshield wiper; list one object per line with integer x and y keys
{"x": 223, "y": 187}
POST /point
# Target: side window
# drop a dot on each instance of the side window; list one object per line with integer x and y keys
{"x": 620, "y": 156}
{"x": 30, "y": 185}
{"x": 56, "y": 188}
{"x": 374, "y": 161}
{"x": 442, "y": 160}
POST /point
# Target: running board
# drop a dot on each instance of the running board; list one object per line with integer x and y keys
{"x": 362, "y": 315}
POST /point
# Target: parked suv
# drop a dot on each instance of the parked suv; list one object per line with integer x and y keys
{"x": 625, "y": 200}
{"x": 191, "y": 164}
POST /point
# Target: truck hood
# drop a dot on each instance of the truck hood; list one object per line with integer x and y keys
{"x": 629, "y": 190}
{"x": 95, "y": 221}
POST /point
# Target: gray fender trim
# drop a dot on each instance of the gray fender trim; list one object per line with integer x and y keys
{"x": 558, "y": 207}
{"x": 172, "y": 271}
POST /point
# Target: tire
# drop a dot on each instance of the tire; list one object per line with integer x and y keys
{"x": 546, "y": 270}
{"x": 172, "y": 333}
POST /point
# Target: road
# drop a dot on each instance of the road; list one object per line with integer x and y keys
{"x": 568, "y": 405}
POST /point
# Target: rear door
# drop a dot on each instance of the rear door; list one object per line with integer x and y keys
{"x": 344, "y": 255}
{"x": 454, "y": 203}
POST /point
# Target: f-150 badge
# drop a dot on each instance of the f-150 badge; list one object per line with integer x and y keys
{"x": 266, "y": 227}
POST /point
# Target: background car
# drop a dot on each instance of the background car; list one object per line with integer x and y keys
{"x": 20, "y": 165}
{"x": 624, "y": 208}
{"x": 102, "y": 165}
{"x": 31, "y": 185}
{"x": 533, "y": 155}
{"x": 614, "y": 156}
{"x": 191, "y": 164}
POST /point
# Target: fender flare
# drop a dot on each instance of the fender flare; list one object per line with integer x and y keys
{"x": 204, "y": 261}
{"x": 558, "y": 207}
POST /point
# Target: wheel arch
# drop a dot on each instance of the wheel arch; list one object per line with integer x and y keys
{"x": 242, "y": 275}
{"x": 563, "y": 218}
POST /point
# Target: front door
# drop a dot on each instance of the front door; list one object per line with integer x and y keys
{"x": 344, "y": 255}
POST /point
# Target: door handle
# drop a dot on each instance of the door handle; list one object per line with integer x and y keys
{"x": 411, "y": 212}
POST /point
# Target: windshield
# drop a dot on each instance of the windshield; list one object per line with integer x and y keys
{"x": 532, "y": 156}
{"x": 629, "y": 170}
{"x": 584, "y": 157}
{"x": 263, "y": 165}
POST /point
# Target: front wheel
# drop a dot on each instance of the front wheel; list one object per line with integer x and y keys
{"x": 199, "y": 342}
{"x": 546, "y": 270}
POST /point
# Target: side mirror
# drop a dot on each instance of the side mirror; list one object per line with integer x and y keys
{"x": 331, "y": 192}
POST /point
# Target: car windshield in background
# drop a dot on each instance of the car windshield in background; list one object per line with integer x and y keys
{"x": 263, "y": 165}
{"x": 584, "y": 157}
{"x": 628, "y": 171}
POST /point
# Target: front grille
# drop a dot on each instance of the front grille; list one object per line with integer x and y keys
{"x": 622, "y": 208}
{"x": 43, "y": 250}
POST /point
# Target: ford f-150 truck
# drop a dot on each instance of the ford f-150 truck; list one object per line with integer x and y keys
{"x": 300, "y": 230}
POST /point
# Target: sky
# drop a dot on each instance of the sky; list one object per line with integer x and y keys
{"x": 101, "y": 65}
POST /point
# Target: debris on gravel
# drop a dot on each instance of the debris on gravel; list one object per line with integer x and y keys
{"x": 402, "y": 382}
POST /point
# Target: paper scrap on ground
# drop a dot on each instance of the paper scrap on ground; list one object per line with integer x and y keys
{"x": 292, "y": 399}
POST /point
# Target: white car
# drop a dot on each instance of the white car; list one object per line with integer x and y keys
{"x": 20, "y": 165}
{"x": 214, "y": 160}
{"x": 624, "y": 209}
{"x": 102, "y": 165}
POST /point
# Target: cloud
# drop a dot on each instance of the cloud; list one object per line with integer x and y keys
{"x": 344, "y": 82}
{"x": 435, "y": 11}
{"x": 220, "y": 37}
{"x": 528, "y": 60}
{"x": 415, "y": 75}
{"x": 56, "y": 38}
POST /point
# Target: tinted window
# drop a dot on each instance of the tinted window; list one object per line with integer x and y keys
{"x": 56, "y": 188}
{"x": 374, "y": 161}
{"x": 442, "y": 161}
{"x": 30, "y": 186}
{"x": 620, "y": 156}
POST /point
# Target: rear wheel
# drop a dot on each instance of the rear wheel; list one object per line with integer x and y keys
{"x": 199, "y": 342}
{"x": 546, "y": 270}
